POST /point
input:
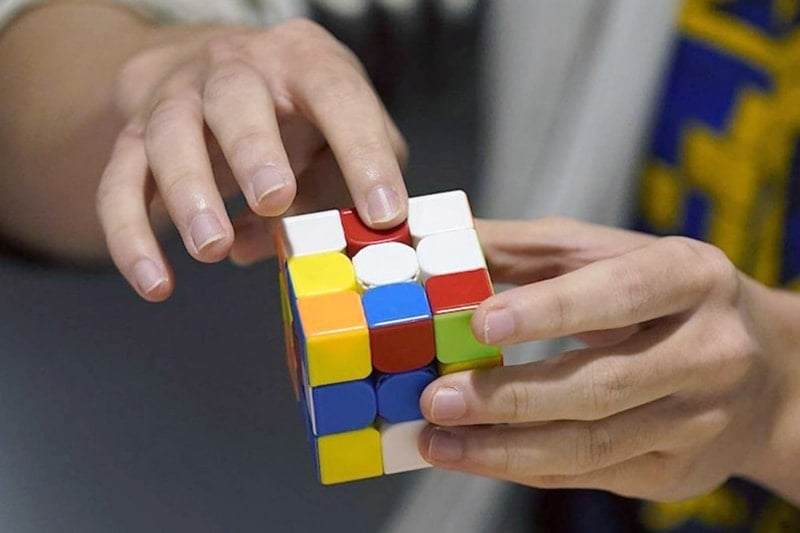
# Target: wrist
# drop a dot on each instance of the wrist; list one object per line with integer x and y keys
{"x": 773, "y": 461}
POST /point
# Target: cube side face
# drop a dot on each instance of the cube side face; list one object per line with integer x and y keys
{"x": 350, "y": 456}
{"x": 358, "y": 235}
{"x": 455, "y": 341}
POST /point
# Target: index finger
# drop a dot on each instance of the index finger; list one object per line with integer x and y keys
{"x": 662, "y": 279}
{"x": 343, "y": 105}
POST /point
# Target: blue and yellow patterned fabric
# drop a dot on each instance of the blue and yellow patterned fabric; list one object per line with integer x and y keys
{"x": 724, "y": 167}
{"x": 725, "y": 157}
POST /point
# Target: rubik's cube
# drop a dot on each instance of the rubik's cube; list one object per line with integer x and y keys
{"x": 371, "y": 318}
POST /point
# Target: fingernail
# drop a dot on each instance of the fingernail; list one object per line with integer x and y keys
{"x": 445, "y": 447}
{"x": 267, "y": 181}
{"x": 148, "y": 276}
{"x": 448, "y": 404}
{"x": 383, "y": 204}
{"x": 206, "y": 230}
{"x": 499, "y": 325}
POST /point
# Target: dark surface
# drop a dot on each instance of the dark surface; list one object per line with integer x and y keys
{"x": 122, "y": 416}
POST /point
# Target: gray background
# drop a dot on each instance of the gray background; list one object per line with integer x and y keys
{"x": 117, "y": 415}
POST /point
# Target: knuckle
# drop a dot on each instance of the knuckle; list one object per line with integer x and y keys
{"x": 224, "y": 48}
{"x": 364, "y": 151}
{"x": 168, "y": 113}
{"x": 132, "y": 132}
{"x": 738, "y": 345}
{"x": 509, "y": 460}
{"x": 336, "y": 85}
{"x": 606, "y": 387}
{"x": 560, "y": 317}
{"x": 635, "y": 288}
{"x": 712, "y": 423}
{"x": 594, "y": 446}
{"x": 179, "y": 184}
{"x": 711, "y": 267}
{"x": 247, "y": 146}
{"x": 226, "y": 78}
{"x": 734, "y": 353}
{"x": 519, "y": 401}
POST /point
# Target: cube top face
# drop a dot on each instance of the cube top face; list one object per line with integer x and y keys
{"x": 325, "y": 273}
{"x": 358, "y": 235}
{"x": 313, "y": 233}
{"x": 439, "y": 213}
{"x": 459, "y": 291}
{"x": 448, "y": 253}
{"x": 329, "y": 314}
{"x": 385, "y": 263}
{"x": 395, "y": 304}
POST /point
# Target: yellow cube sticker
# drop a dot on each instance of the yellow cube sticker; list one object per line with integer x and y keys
{"x": 350, "y": 456}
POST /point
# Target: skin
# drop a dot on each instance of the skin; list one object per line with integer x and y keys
{"x": 114, "y": 128}
{"x": 166, "y": 123}
{"x": 690, "y": 374}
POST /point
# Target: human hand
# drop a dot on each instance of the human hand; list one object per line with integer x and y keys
{"x": 691, "y": 372}
{"x": 285, "y": 109}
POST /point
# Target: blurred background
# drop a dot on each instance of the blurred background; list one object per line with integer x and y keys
{"x": 117, "y": 415}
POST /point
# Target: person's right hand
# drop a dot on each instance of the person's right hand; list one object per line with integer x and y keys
{"x": 285, "y": 109}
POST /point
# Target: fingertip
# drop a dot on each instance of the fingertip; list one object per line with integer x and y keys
{"x": 385, "y": 207}
{"x": 426, "y": 401}
{"x": 494, "y": 323}
{"x": 424, "y": 442}
{"x": 151, "y": 280}
{"x": 274, "y": 191}
{"x": 210, "y": 237}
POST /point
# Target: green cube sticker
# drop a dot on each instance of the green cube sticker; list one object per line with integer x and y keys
{"x": 455, "y": 342}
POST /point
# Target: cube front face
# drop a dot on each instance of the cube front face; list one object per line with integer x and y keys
{"x": 365, "y": 336}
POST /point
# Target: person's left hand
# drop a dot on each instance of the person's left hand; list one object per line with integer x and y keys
{"x": 690, "y": 374}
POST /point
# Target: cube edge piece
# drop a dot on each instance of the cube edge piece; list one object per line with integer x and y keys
{"x": 326, "y": 230}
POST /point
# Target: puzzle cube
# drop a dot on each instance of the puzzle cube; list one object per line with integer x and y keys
{"x": 371, "y": 318}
